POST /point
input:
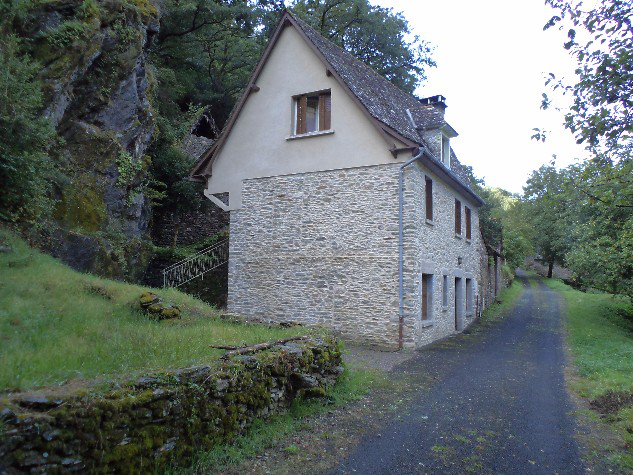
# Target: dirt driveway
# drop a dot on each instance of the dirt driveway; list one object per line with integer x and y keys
{"x": 492, "y": 401}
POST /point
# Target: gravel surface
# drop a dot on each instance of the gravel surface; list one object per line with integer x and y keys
{"x": 498, "y": 403}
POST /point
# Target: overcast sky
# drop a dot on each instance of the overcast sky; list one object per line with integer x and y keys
{"x": 492, "y": 57}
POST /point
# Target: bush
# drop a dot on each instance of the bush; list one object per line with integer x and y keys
{"x": 25, "y": 137}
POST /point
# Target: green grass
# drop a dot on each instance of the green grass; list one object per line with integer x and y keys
{"x": 57, "y": 324}
{"x": 600, "y": 339}
{"x": 601, "y": 343}
{"x": 507, "y": 298}
{"x": 264, "y": 434}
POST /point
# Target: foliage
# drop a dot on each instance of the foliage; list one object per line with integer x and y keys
{"x": 25, "y": 136}
{"x": 49, "y": 338}
{"x": 503, "y": 221}
{"x": 128, "y": 168}
{"x": 586, "y": 212}
{"x": 547, "y": 207}
{"x": 600, "y": 336}
{"x": 601, "y": 113}
{"x": 374, "y": 34}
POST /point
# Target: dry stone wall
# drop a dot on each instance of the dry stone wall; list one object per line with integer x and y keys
{"x": 160, "y": 419}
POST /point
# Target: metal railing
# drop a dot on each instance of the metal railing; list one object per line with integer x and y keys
{"x": 197, "y": 265}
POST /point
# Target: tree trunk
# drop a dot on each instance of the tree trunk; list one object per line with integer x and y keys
{"x": 550, "y": 270}
{"x": 174, "y": 241}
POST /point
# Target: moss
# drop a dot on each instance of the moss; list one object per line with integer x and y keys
{"x": 136, "y": 430}
{"x": 146, "y": 9}
{"x": 81, "y": 207}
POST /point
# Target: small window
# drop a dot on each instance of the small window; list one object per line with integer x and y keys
{"x": 427, "y": 296}
{"x": 313, "y": 112}
{"x": 469, "y": 296}
{"x": 445, "y": 291}
{"x": 467, "y": 211}
{"x": 446, "y": 151}
{"x": 428, "y": 186}
{"x": 458, "y": 217}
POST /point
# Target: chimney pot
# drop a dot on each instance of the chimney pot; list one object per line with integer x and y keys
{"x": 438, "y": 101}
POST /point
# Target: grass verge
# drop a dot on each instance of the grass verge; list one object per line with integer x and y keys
{"x": 265, "y": 434}
{"x": 507, "y": 298}
{"x": 57, "y": 324}
{"x": 600, "y": 338}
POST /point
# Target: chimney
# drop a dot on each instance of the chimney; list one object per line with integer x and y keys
{"x": 439, "y": 102}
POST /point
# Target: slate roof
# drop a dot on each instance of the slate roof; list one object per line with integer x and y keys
{"x": 195, "y": 145}
{"x": 385, "y": 102}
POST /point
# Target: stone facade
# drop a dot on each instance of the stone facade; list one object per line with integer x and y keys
{"x": 433, "y": 248}
{"x": 322, "y": 248}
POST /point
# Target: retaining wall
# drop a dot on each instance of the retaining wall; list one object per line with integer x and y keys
{"x": 158, "y": 419}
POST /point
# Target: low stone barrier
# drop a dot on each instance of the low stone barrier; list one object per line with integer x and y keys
{"x": 161, "y": 418}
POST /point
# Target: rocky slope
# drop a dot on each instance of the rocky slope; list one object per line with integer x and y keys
{"x": 98, "y": 93}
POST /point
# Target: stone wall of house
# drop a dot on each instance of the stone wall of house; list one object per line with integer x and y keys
{"x": 433, "y": 247}
{"x": 319, "y": 248}
{"x": 322, "y": 248}
{"x": 161, "y": 419}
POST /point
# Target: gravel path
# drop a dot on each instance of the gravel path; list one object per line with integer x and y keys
{"x": 498, "y": 403}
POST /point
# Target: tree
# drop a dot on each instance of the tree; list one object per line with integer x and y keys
{"x": 25, "y": 137}
{"x": 601, "y": 115}
{"x": 374, "y": 34}
{"x": 546, "y": 207}
{"x": 598, "y": 192}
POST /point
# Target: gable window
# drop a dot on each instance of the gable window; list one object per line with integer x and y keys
{"x": 468, "y": 218}
{"x": 428, "y": 187}
{"x": 458, "y": 217}
{"x": 446, "y": 151}
{"x": 312, "y": 112}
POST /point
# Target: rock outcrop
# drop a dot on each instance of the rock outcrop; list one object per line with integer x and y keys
{"x": 98, "y": 93}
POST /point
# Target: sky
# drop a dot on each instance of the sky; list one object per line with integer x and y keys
{"x": 492, "y": 59}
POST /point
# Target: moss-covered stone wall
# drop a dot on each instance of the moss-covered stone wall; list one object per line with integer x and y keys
{"x": 161, "y": 418}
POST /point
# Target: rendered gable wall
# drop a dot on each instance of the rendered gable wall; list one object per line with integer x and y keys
{"x": 257, "y": 145}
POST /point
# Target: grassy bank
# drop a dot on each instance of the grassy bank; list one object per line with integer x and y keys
{"x": 600, "y": 337}
{"x": 57, "y": 324}
{"x": 506, "y": 299}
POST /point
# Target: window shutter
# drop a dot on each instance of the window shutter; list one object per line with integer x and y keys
{"x": 425, "y": 297}
{"x": 467, "y": 223}
{"x": 326, "y": 101}
{"x": 302, "y": 103}
{"x": 458, "y": 217}
{"x": 429, "y": 198}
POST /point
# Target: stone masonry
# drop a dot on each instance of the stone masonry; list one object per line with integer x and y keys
{"x": 322, "y": 248}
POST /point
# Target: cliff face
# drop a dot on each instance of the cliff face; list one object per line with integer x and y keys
{"x": 98, "y": 93}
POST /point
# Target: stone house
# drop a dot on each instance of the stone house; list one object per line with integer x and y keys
{"x": 348, "y": 207}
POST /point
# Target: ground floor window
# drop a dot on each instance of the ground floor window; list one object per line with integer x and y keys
{"x": 445, "y": 291}
{"x": 427, "y": 296}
